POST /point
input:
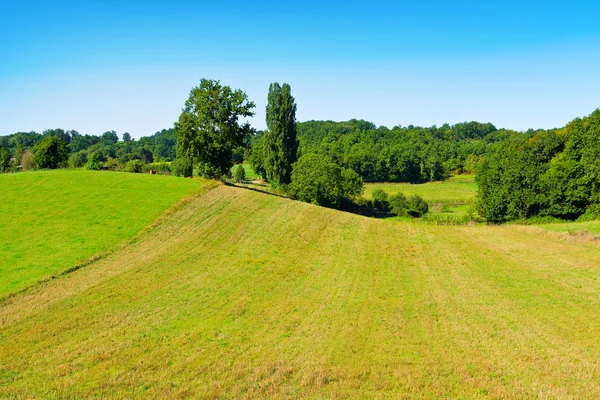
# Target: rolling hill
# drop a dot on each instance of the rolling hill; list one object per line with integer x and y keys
{"x": 239, "y": 294}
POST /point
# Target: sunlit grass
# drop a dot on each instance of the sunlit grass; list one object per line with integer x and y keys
{"x": 459, "y": 189}
{"x": 240, "y": 294}
{"x": 52, "y": 220}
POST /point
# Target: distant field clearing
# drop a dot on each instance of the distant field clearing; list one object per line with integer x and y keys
{"x": 460, "y": 189}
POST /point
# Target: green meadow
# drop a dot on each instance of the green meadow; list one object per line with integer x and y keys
{"x": 239, "y": 294}
{"x": 51, "y": 221}
{"x": 459, "y": 189}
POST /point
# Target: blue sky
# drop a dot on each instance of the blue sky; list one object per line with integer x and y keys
{"x": 100, "y": 65}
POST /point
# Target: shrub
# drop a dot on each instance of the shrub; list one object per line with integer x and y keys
{"x": 135, "y": 166}
{"x": 161, "y": 168}
{"x": 239, "y": 174}
{"x": 94, "y": 163}
{"x": 416, "y": 206}
{"x": 114, "y": 164}
{"x": 77, "y": 160}
{"x": 398, "y": 204}
{"x": 591, "y": 213}
{"x": 380, "y": 199}
{"x": 319, "y": 180}
{"x": 27, "y": 161}
{"x": 182, "y": 166}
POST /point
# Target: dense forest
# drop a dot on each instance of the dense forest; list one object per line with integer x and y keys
{"x": 548, "y": 173}
{"x": 401, "y": 154}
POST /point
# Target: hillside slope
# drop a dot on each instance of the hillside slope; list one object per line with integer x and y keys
{"x": 241, "y": 294}
{"x": 52, "y": 220}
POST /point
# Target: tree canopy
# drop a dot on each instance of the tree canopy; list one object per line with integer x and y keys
{"x": 319, "y": 180}
{"x": 51, "y": 152}
{"x": 553, "y": 173}
{"x": 209, "y": 127}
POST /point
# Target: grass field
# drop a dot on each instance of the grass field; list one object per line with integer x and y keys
{"x": 573, "y": 227}
{"x": 239, "y": 294}
{"x": 458, "y": 189}
{"x": 52, "y": 220}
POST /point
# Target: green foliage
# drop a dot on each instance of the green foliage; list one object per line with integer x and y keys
{"x": 208, "y": 129}
{"x": 182, "y": 166}
{"x": 134, "y": 166}
{"x": 398, "y": 204}
{"x": 352, "y": 184}
{"x": 416, "y": 206}
{"x": 546, "y": 173}
{"x": 400, "y": 154}
{"x": 77, "y": 160}
{"x": 239, "y": 173}
{"x": 126, "y": 137}
{"x": 93, "y": 163}
{"x": 592, "y": 213}
{"x": 381, "y": 199}
{"x": 257, "y": 157}
{"x": 5, "y": 159}
{"x": 280, "y": 143}
{"x": 161, "y": 168}
{"x": 110, "y": 137}
{"x": 317, "y": 179}
{"x": 50, "y": 153}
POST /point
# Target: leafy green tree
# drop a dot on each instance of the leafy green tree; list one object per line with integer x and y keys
{"x": 280, "y": 143}
{"x": 76, "y": 160}
{"x": 126, "y": 137}
{"x": 257, "y": 158}
{"x": 239, "y": 173}
{"x": 93, "y": 163}
{"x": 135, "y": 166}
{"x": 182, "y": 166}
{"x": 110, "y": 137}
{"x": 352, "y": 184}
{"x": 51, "y": 152}
{"x": 319, "y": 180}
{"x": 381, "y": 199}
{"x": 208, "y": 129}
{"x": 5, "y": 159}
{"x": 398, "y": 204}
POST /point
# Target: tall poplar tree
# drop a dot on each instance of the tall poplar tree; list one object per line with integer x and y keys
{"x": 280, "y": 143}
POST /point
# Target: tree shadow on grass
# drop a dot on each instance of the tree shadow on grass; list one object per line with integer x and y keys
{"x": 255, "y": 189}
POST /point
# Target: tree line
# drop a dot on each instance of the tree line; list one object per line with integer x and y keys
{"x": 59, "y": 148}
{"x": 546, "y": 173}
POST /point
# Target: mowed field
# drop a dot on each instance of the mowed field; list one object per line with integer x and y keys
{"x": 50, "y": 221}
{"x": 238, "y": 294}
{"x": 459, "y": 189}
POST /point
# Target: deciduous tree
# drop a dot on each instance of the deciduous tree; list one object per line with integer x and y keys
{"x": 209, "y": 127}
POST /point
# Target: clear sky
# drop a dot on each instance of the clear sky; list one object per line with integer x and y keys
{"x": 94, "y": 66}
